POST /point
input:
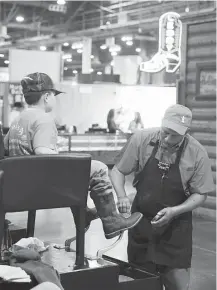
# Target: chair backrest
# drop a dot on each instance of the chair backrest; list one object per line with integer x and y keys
{"x": 45, "y": 181}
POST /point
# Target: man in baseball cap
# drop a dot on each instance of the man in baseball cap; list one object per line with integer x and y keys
{"x": 177, "y": 118}
{"x": 35, "y": 132}
{"x": 172, "y": 177}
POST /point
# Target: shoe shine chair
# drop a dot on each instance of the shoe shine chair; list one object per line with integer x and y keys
{"x": 31, "y": 183}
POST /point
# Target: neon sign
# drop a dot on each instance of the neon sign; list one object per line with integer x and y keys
{"x": 169, "y": 52}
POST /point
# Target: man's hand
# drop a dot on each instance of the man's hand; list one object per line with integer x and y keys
{"x": 124, "y": 205}
{"x": 163, "y": 217}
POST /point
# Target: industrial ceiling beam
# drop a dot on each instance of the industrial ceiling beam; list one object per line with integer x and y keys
{"x": 97, "y": 33}
{"x": 140, "y": 13}
{"x": 30, "y": 26}
{"x": 40, "y": 4}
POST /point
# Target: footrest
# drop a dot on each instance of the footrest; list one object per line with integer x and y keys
{"x": 135, "y": 278}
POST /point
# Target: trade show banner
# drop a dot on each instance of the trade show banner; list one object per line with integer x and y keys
{"x": 23, "y": 62}
{"x": 127, "y": 66}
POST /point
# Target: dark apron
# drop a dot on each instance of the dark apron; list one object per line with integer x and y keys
{"x": 170, "y": 245}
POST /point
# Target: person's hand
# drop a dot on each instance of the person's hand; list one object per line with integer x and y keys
{"x": 163, "y": 217}
{"x": 124, "y": 205}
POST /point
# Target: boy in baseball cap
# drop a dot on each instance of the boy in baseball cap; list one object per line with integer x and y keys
{"x": 38, "y": 83}
{"x": 35, "y": 132}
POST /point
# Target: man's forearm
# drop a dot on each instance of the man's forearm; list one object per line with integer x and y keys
{"x": 118, "y": 182}
{"x": 194, "y": 201}
{"x": 44, "y": 150}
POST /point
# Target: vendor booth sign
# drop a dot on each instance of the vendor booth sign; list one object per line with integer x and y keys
{"x": 169, "y": 53}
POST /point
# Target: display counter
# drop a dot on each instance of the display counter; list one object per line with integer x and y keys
{"x": 102, "y": 147}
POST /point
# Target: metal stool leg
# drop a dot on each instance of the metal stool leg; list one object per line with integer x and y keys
{"x": 31, "y": 223}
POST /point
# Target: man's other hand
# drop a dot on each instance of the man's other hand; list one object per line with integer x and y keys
{"x": 163, "y": 217}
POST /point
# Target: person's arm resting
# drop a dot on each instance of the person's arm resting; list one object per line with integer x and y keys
{"x": 193, "y": 202}
{"x": 127, "y": 163}
{"x": 44, "y": 138}
{"x": 200, "y": 185}
{"x": 44, "y": 150}
{"x": 118, "y": 182}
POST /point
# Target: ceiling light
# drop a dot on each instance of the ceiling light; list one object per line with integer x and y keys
{"x": 92, "y": 56}
{"x": 2, "y": 55}
{"x": 61, "y": 2}
{"x": 91, "y": 70}
{"x": 69, "y": 60}
{"x": 138, "y": 49}
{"x": 114, "y": 53}
{"x": 65, "y": 44}
{"x": 65, "y": 56}
{"x": 129, "y": 43}
{"x": 79, "y": 50}
{"x": 19, "y": 18}
{"x": 115, "y": 48}
{"x": 126, "y": 38}
{"x": 65, "y": 68}
{"x": 99, "y": 73}
{"x": 6, "y": 61}
{"x": 75, "y": 71}
{"x": 103, "y": 46}
{"x": 77, "y": 45}
{"x": 43, "y": 48}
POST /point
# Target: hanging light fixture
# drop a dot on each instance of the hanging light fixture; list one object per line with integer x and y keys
{"x": 114, "y": 53}
{"x": 66, "y": 56}
{"x": 77, "y": 45}
{"x": 19, "y": 18}
{"x": 126, "y": 38}
{"x": 129, "y": 42}
{"x": 115, "y": 47}
{"x": 103, "y": 46}
{"x": 43, "y": 48}
{"x": 61, "y": 2}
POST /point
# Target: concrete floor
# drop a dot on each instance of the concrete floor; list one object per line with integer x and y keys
{"x": 57, "y": 225}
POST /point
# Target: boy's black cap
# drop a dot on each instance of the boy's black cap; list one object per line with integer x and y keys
{"x": 38, "y": 82}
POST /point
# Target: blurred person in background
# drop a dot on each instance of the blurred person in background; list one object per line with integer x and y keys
{"x": 17, "y": 108}
{"x": 136, "y": 124}
{"x": 112, "y": 126}
{"x": 34, "y": 132}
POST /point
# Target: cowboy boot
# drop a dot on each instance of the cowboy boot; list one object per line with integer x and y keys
{"x": 113, "y": 222}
